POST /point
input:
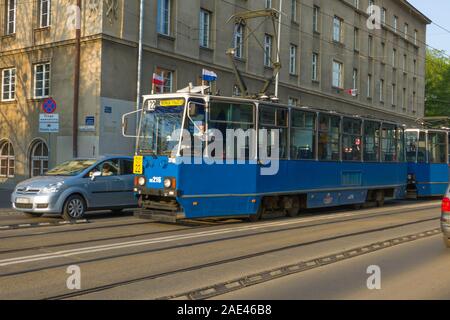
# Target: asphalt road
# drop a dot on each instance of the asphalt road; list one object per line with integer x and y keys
{"x": 321, "y": 254}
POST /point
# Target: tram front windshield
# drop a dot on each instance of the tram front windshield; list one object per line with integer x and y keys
{"x": 161, "y": 122}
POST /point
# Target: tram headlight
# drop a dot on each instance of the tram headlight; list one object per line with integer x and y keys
{"x": 141, "y": 181}
{"x": 167, "y": 183}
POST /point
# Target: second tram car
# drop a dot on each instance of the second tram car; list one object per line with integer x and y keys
{"x": 427, "y": 153}
{"x": 325, "y": 159}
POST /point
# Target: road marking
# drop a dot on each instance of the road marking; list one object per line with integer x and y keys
{"x": 166, "y": 239}
{"x": 42, "y": 224}
{"x": 265, "y": 276}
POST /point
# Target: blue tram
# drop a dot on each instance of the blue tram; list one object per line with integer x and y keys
{"x": 428, "y": 162}
{"x": 323, "y": 158}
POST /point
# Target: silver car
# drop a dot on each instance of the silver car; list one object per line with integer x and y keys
{"x": 77, "y": 186}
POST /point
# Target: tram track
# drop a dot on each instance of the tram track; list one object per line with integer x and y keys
{"x": 359, "y": 217}
{"x": 203, "y": 265}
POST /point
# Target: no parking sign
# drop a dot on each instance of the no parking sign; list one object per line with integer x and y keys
{"x": 49, "y": 106}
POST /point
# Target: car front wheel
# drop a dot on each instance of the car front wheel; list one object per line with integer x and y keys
{"x": 74, "y": 208}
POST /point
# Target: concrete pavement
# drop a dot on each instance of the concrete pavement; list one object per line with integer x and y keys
{"x": 127, "y": 258}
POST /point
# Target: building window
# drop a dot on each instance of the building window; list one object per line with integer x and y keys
{"x": 337, "y": 74}
{"x": 163, "y": 17}
{"x": 356, "y": 39}
{"x": 355, "y": 79}
{"x": 395, "y": 24}
{"x": 268, "y": 4}
{"x": 356, "y": 3}
{"x": 11, "y": 16}
{"x": 7, "y": 160}
{"x": 394, "y": 58}
{"x": 9, "y": 84}
{"x": 267, "y": 50}
{"x": 369, "y": 86}
{"x": 315, "y": 67}
{"x": 44, "y": 13}
{"x": 415, "y": 37}
{"x": 239, "y": 40}
{"x": 42, "y": 80}
{"x": 236, "y": 91}
{"x": 316, "y": 12}
{"x": 294, "y": 10}
{"x": 393, "y": 94}
{"x": 381, "y": 90}
{"x": 205, "y": 27}
{"x": 167, "y": 75}
{"x": 293, "y": 101}
{"x": 370, "y": 46}
{"x": 405, "y": 31}
{"x": 405, "y": 59}
{"x": 39, "y": 159}
{"x": 293, "y": 59}
{"x": 404, "y": 98}
{"x": 337, "y": 29}
{"x": 383, "y": 16}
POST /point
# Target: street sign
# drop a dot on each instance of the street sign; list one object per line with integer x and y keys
{"x": 48, "y": 123}
{"x": 49, "y": 106}
{"x": 89, "y": 121}
{"x": 108, "y": 109}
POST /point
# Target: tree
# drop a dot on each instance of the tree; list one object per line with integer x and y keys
{"x": 437, "y": 84}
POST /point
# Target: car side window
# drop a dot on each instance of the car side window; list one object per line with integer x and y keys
{"x": 107, "y": 168}
{"x": 127, "y": 167}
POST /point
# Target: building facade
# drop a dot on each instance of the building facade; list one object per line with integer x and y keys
{"x": 327, "y": 49}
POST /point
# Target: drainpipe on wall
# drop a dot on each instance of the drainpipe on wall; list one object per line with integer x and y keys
{"x": 76, "y": 83}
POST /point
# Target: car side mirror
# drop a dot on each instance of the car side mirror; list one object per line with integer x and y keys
{"x": 95, "y": 175}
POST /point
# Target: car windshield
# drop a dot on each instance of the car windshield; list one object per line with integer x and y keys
{"x": 71, "y": 168}
{"x": 159, "y": 123}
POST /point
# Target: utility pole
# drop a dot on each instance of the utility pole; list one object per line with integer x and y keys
{"x": 277, "y": 79}
{"x": 76, "y": 81}
{"x": 139, "y": 66}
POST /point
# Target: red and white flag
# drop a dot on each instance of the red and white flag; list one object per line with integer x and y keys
{"x": 353, "y": 92}
{"x": 158, "y": 79}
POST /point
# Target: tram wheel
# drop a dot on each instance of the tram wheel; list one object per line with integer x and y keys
{"x": 379, "y": 198}
{"x": 294, "y": 211}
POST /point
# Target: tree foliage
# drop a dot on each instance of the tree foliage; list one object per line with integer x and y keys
{"x": 437, "y": 84}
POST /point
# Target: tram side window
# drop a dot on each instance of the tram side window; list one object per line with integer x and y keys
{"x": 437, "y": 146}
{"x": 329, "y": 131}
{"x": 388, "y": 143}
{"x": 422, "y": 148}
{"x": 225, "y": 116}
{"x": 303, "y": 135}
{"x": 400, "y": 144}
{"x": 372, "y": 141}
{"x": 351, "y": 139}
{"x": 271, "y": 119}
{"x": 411, "y": 138}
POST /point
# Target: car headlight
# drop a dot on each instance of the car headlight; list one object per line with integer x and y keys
{"x": 53, "y": 188}
{"x": 167, "y": 183}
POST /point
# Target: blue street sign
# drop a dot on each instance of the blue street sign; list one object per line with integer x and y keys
{"x": 108, "y": 109}
{"x": 90, "y": 121}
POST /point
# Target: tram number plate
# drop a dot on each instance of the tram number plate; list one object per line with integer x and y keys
{"x": 138, "y": 167}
